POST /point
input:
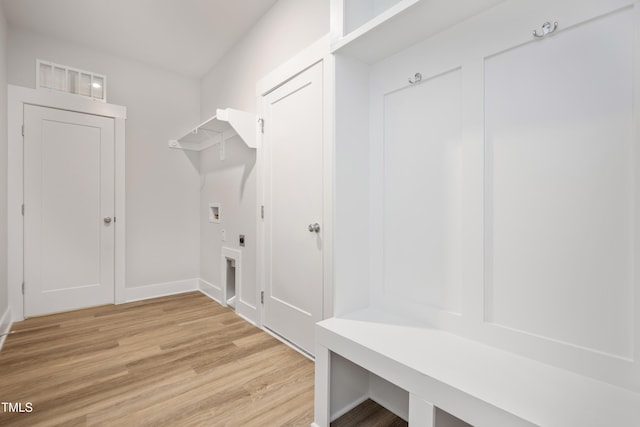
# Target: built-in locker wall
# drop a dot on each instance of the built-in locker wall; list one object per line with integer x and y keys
{"x": 502, "y": 183}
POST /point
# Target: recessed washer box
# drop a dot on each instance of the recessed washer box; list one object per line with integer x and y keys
{"x": 215, "y": 213}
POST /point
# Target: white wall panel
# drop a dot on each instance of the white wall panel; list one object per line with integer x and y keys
{"x": 69, "y": 235}
{"x": 422, "y": 137}
{"x": 351, "y": 192}
{"x": 522, "y": 230}
{"x": 560, "y": 186}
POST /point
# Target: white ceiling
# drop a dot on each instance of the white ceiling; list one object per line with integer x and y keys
{"x": 184, "y": 36}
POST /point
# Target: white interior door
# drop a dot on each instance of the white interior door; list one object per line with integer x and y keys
{"x": 69, "y": 210}
{"x": 293, "y": 148}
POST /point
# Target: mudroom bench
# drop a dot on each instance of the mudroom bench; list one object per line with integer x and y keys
{"x": 419, "y": 373}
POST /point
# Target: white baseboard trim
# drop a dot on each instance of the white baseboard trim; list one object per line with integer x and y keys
{"x": 340, "y": 412}
{"x": 248, "y": 319}
{"x": 247, "y": 312}
{"x": 289, "y": 343}
{"x": 212, "y": 291}
{"x": 160, "y": 290}
{"x": 215, "y": 293}
{"x": 5, "y": 325}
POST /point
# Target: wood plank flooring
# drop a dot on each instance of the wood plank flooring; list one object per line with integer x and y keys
{"x": 175, "y": 361}
{"x": 369, "y": 414}
{"x": 182, "y": 360}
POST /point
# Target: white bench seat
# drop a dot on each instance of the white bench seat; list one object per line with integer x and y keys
{"x": 479, "y": 384}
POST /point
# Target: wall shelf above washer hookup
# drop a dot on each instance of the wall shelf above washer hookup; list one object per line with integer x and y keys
{"x": 226, "y": 124}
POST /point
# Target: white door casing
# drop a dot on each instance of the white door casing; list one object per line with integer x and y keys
{"x": 294, "y": 220}
{"x": 69, "y": 210}
{"x": 18, "y": 98}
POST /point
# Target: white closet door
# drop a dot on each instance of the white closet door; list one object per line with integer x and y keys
{"x": 294, "y": 206}
{"x": 69, "y": 207}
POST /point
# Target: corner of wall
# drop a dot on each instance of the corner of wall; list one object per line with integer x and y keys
{"x": 4, "y": 287}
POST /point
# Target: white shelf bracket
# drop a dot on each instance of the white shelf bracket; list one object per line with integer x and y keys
{"x": 225, "y": 124}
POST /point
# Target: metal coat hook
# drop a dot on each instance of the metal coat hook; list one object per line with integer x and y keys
{"x": 546, "y": 29}
{"x": 416, "y": 78}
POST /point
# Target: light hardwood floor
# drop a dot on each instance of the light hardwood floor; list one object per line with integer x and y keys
{"x": 175, "y": 361}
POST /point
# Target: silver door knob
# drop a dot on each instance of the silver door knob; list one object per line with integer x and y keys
{"x": 107, "y": 220}
{"x": 314, "y": 228}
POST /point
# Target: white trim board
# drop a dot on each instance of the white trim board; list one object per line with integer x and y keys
{"x": 157, "y": 290}
{"x": 5, "y": 326}
{"x": 212, "y": 291}
{"x": 17, "y": 97}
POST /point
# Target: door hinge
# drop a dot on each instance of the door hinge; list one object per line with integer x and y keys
{"x": 22, "y": 288}
{"x": 22, "y": 209}
{"x": 261, "y": 123}
{"x": 262, "y": 211}
{"x": 261, "y": 297}
{"x": 22, "y": 130}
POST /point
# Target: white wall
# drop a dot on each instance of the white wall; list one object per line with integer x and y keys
{"x": 288, "y": 27}
{"x": 3, "y": 165}
{"x": 162, "y": 185}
